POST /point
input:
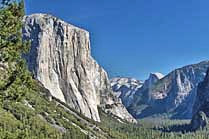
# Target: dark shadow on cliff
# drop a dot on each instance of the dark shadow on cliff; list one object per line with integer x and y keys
{"x": 145, "y": 110}
{"x": 149, "y": 112}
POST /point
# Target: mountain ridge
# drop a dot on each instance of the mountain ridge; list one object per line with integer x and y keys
{"x": 169, "y": 94}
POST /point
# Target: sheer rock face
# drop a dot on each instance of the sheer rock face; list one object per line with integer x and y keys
{"x": 60, "y": 58}
{"x": 148, "y": 84}
{"x": 174, "y": 94}
{"x": 201, "y": 106}
{"x": 128, "y": 88}
{"x": 179, "y": 89}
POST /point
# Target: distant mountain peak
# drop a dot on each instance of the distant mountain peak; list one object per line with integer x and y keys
{"x": 125, "y": 88}
{"x": 175, "y": 93}
{"x": 157, "y": 74}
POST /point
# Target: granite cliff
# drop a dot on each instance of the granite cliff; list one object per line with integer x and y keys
{"x": 60, "y": 58}
{"x": 173, "y": 94}
{"x": 201, "y": 105}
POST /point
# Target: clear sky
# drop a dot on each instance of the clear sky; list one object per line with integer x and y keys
{"x": 135, "y": 37}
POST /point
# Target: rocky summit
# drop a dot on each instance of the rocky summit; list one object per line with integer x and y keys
{"x": 148, "y": 84}
{"x": 173, "y": 94}
{"x": 60, "y": 58}
{"x": 132, "y": 91}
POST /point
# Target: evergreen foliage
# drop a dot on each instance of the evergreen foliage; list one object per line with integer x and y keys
{"x": 26, "y": 112}
{"x": 18, "y": 89}
{"x": 16, "y": 79}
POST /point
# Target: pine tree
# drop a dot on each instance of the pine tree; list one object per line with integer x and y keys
{"x": 15, "y": 77}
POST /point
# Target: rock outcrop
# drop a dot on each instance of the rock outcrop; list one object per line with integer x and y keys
{"x": 201, "y": 106}
{"x": 146, "y": 89}
{"x": 60, "y": 58}
{"x": 199, "y": 121}
{"x": 173, "y": 94}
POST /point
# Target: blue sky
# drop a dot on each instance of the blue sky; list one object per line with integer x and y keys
{"x": 135, "y": 37}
